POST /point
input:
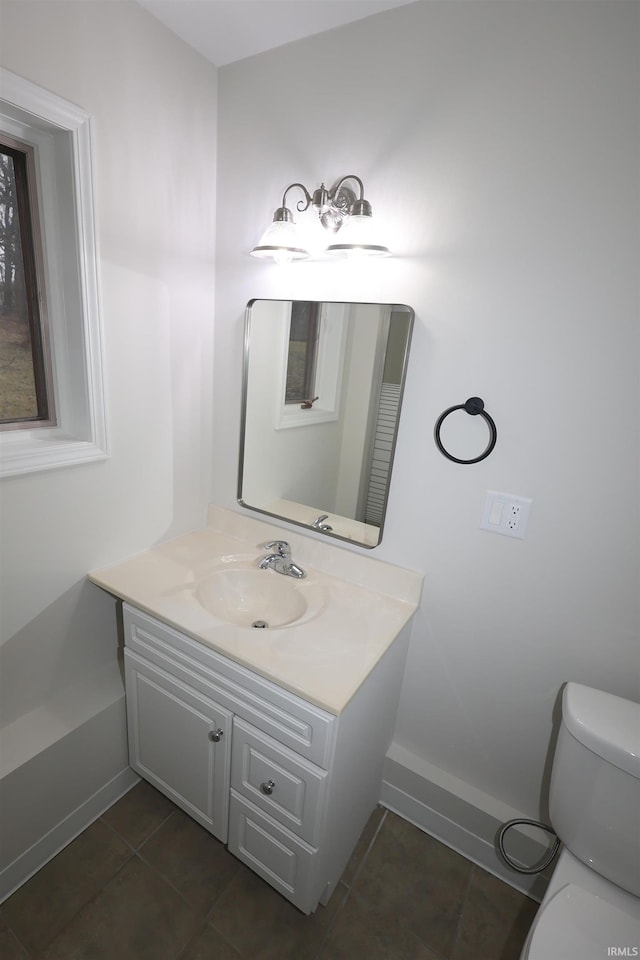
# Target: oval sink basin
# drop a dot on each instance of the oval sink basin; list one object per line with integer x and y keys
{"x": 250, "y": 598}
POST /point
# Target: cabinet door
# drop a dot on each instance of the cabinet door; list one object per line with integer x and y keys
{"x": 180, "y": 741}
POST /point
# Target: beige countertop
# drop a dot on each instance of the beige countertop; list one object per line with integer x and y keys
{"x": 358, "y": 605}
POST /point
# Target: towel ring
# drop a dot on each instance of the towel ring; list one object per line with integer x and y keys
{"x": 473, "y": 406}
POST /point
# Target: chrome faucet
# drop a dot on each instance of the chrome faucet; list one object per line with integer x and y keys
{"x": 319, "y": 524}
{"x": 280, "y": 560}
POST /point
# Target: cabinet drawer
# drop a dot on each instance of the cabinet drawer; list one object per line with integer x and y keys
{"x": 281, "y": 859}
{"x": 278, "y": 781}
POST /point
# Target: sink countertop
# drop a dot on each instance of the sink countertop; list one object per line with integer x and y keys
{"x": 324, "y": 659}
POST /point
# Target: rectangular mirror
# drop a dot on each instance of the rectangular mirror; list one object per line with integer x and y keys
{"x": 322, "y": 392}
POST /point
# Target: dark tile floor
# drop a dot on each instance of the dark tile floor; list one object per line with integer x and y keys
{"x": 144, "y": 882}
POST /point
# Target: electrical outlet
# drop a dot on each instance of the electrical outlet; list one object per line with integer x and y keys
{"x": 513, "y": 517}
{"x": 506, "y": 514}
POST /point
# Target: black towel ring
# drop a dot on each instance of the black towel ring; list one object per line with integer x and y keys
{"x": 473, "y": 406}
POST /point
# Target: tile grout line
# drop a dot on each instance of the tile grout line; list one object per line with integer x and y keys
{"x": 158, "y": 872}
{"x": 463, "y": 907}
{"x": 42, "y": 950}
{"x": 365, "y": 855}
{"x": 212, "y": 926}
{"x": 146, "y": 839}
{"x": 137, "y": 852}
{"x": 16, "y": 935}
{"x": 349, "y": 886}
{"x": 332, "y": 923}
{"x": 113, "y": 830}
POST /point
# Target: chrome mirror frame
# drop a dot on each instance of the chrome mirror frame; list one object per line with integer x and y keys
{"x": 346, "y": 529}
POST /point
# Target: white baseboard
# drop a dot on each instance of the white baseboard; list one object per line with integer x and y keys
{"x": 28, "y": 863}
{"x": 459, "y": 816}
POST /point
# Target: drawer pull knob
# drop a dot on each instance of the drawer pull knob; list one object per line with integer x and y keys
{"x": 216, "y": 735}
{"x": 267, "y": 787}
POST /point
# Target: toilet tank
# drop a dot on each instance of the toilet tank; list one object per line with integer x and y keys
{"x": 595, "y": 783}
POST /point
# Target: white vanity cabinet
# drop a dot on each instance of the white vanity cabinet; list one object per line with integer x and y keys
{"x": 287, "y": 785}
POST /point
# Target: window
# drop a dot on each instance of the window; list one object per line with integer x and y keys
{"x": 25, "y": 383}
{"x": 303, "y": 348}
{"x": 50, "y": 328}
{"x": 312, "y": 364}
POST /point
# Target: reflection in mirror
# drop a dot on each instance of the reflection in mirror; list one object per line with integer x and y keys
{"x": 322, "y": 393}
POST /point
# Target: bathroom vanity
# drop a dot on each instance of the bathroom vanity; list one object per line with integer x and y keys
{"x": 273, "y": 738}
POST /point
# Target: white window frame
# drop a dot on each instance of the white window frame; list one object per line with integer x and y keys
{"x": 61, "y": 135}
{"x": 329, "y": 373}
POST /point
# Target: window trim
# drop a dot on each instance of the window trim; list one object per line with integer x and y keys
{"x": 61, "y": 134}
{"x": 329, "y": 373}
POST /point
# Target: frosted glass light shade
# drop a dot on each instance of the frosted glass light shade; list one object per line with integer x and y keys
{"x": 357, "y": 239}
{"x": 280, "y": 242}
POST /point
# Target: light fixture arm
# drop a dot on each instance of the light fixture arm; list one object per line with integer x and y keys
{"x": 349, "y": 176}
{"x": 299, "y": 205}
{"x": 359, "y": 206}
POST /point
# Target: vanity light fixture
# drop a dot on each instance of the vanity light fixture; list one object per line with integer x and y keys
{"x": 338, "y": 209}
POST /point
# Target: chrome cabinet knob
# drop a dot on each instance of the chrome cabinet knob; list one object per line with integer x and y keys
{"x": 268, "y": 787}
{"x": 216, "y": 735}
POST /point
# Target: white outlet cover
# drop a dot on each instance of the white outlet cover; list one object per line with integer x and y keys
{"x": 506, "y": 514}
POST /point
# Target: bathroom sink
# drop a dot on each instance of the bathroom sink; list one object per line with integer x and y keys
{"x": 252, "y": 598}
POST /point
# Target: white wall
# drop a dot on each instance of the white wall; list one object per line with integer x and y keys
{"x": 499, "y": 146}
{"x": 154, "y": 106}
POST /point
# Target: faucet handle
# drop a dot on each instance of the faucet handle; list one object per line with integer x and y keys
{"x": 281, "y": 547}
{"x": 319, "y": 524}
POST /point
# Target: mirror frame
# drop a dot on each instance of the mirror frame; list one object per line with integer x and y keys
{"x": 243, "y": 419}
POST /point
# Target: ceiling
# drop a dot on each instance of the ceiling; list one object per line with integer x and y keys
{"x": 228, "y": 30}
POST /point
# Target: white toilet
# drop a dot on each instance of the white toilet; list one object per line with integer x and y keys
{"x": 591, "y": 909}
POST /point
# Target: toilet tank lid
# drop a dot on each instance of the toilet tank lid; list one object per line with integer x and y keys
{"x": 607, "y": 725}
